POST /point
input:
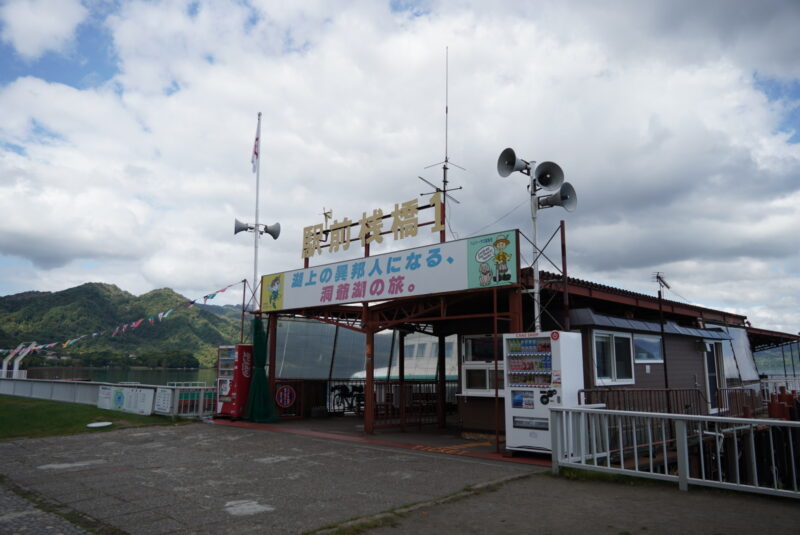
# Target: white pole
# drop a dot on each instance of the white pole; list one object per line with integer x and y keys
{"x": 256, "y": 229}
{"x": 18, "y": 359}
{"x": 536, "y": 302}
{"x": 10, "y": 356}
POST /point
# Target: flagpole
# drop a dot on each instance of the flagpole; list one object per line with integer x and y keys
{"x": 257, "y": 232}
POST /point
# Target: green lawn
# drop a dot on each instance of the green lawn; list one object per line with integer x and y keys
{"x": 29, "y": 418}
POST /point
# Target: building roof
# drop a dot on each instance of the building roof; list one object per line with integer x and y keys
{"x": 594, "y": 290}
{"x": 765, "y": 339}
{"x": 585, "y": 316}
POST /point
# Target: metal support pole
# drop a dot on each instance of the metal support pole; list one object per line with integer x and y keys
{"x": 401, "y": 356}
{"x": 244, "y": 294}
{"x": 333, "y": 351}
{"x": 664, "y": 349}
{"x": 556, "y": 423}
{"x": 369, "y": 389}
{"x": 256, "y": 230}
{"x": 441, "y": 384}
{"x": 391, "y": 356}
{"x": 683, "y": 454}
{"x": 496, "y": 387}
{"x": 564, "y": 274}
{"x": 537, "y": 304}
{"x": 783, "y": 354}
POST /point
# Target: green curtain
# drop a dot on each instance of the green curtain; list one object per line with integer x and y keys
{"x": 260, "y": 405}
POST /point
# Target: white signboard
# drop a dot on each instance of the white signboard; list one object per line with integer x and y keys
{"x": 134, "y": 400}
{"x": 163, "y": 401}
{"x": 479, "y": 262}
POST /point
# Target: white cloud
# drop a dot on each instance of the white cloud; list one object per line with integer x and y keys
{"x": 654, "y": 115}
{"x": 34, "y": 27}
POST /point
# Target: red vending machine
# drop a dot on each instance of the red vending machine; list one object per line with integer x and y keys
{"x": 234, "y": 368}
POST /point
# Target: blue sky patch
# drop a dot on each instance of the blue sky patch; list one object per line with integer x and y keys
{"x": 13, "y": 147}
{"x": 415, "y": 8}
{"x": 40, "y": 132}
{"x": 88, "y": 62}
{"x": 787, "y": 92}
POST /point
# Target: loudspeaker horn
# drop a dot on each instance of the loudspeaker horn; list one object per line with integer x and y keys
{"x": 508, "y": 162}
{"x": 565, "y": 198}
{"x": 238, "y": 227}
{"x": 548, "y": 175}
{"x": 273, "y": 230}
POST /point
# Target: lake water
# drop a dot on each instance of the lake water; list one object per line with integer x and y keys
{"x": 118, "y": 375}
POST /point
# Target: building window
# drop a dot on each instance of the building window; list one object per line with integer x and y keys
{"x": 613, "y": 358}
{"x": 481, "y": 348}
{"x": 647, "y": 349}
{"x": 478, "y": 375}
{"x": 476, "y": 380}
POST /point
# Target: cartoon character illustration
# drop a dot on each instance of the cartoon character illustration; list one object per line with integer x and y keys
{"x": 485, "y": 274}
{"x": 501, "y": 259}
{"x": 275, "y": 291}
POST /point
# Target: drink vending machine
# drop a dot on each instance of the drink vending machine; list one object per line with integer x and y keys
{"x": 542, "y": 370}
{"x": 234, "y": 369}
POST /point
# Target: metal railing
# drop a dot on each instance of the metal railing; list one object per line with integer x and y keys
{"x": 752, "y": 455}
{"x": 773, "y": 386}
{"x": 418, "y": 405}
{"x": 184, "y": 401}
{"x": 10, "y": 374}
{"x": 740, "y": 402}
{"x": 669, "y": 400}
{"x": 197, "y": 401}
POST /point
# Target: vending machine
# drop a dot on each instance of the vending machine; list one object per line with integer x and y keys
{"x": 234, "y": 369}
{"x": 542, "y": 370}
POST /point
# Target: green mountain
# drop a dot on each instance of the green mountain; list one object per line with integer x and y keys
{"x": 47, "y": 317}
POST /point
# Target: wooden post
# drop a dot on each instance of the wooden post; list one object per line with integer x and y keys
{"x": 401, "y": 356}
{"x": 441, "y": 384}
{"x": 496, "y": 340}
{"x": 369, "y": 388}
{"x": 515, "y": 310}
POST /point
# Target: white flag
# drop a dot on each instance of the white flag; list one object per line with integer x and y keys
{"x": 256, "y": 145}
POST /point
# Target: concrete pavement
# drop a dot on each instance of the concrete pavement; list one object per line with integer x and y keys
{"x": 201, "y": 478}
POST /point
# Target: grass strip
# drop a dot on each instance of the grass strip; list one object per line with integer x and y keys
{"x": 33, "y": 418}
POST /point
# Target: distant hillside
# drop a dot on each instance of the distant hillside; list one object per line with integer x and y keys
{"x": 47, "y": 317}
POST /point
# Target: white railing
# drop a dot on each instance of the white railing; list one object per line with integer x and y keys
{"x": 774, "y": 384}
{"x": 194, "y": 401}
{"x": 197, "y": 401}
{"x": 761, "y": 456}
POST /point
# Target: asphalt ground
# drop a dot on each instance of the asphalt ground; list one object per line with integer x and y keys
{"x": 202, "y": 478}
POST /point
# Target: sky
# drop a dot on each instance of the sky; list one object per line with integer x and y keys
{"x": 128, "y": 127}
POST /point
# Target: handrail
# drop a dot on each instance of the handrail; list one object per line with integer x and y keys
{"x": 684, "y": 417}
{"x": 742, "y": 454}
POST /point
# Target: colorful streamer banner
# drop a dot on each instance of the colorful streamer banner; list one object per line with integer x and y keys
{"x": 120, "y": 329}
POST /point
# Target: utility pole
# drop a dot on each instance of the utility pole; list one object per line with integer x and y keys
{"x": 663, "y": 284}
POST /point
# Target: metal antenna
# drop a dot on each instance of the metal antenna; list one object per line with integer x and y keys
{"x": 326, "y": 214}
{"x": 444, "y": 189}
{"x": 659, "y": 278}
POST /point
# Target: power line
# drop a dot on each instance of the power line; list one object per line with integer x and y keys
{"x": 526, "y": 201}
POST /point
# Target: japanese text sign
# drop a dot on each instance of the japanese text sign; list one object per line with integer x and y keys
{"x": 404, "y": 224}
{"x": 478, "y": 262}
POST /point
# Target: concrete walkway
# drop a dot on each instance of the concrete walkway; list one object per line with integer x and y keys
{"x": 201, "y": 478}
